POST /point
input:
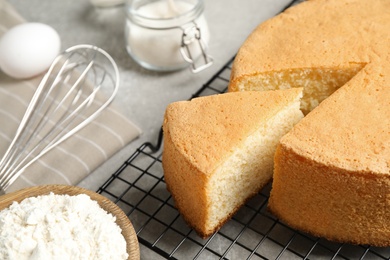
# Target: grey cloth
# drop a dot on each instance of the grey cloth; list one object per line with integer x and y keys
{"x": 74, "y": 159}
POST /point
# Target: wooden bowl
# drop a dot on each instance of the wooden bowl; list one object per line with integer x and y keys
{"x": 121, "y": 219}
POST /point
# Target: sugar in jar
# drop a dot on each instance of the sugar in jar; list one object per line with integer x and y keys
{"x": 167, "y": 35}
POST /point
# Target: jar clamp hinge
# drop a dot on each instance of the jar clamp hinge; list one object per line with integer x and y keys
{"x": 191, "y": 40}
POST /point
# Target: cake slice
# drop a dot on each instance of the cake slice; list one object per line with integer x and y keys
{"x": 219, "y": 150}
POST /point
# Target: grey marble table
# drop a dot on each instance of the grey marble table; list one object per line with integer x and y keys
{"x": 143, "y": 94}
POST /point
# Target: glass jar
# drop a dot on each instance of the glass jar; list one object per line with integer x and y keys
{"x": 167, "y": 35}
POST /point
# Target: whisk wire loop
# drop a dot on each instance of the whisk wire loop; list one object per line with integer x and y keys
{"x": 79, "y": 85}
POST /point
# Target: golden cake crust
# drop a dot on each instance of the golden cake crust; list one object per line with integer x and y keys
{"x": 330, "y": 34}
{"x": 336, "y": 204}
{"x": 350, "y": 129}
{"x": 232, "y": 125}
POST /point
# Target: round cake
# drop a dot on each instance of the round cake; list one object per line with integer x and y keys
{"x": 332, "y": 170}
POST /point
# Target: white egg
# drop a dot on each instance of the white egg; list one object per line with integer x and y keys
{"x": 28, "y": 49}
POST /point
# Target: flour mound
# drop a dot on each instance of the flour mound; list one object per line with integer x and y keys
{"x": 59, "y": 227}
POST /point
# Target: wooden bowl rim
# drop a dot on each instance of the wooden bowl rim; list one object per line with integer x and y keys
{"x": 122, "y": 220}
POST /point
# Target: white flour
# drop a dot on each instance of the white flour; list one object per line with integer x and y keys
{"x": 59, "y": 227}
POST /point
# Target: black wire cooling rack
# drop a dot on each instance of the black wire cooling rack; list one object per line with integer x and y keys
{"x": 138, "y": 188}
